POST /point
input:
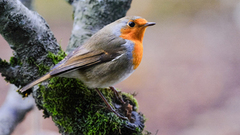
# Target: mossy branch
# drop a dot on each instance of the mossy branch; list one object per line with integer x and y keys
{"x": 14, "y": 108}
{"x": 74, "y": 108}
{"x": 31, "y": 40}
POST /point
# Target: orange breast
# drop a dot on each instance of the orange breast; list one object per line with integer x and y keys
{"x": 137, "y": 54}
{"x": 137, "y": 51}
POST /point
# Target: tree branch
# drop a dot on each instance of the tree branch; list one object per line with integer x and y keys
{"x": 14, "y": 108}
{"x": 13, "y": 111}
{"x": 92, "y": 15}
{"x": 31, "y": 39}
{"x": 74, "y": 108}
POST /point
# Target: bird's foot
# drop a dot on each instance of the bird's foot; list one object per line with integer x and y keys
{"x": 109, "y": 106}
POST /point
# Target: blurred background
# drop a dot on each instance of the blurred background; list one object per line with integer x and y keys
{"x": 188, "y": 81}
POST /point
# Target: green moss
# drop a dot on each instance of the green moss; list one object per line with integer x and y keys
{"x": 77, "y": 109}
{"x": 5, "y": 66}
{"x": 57, "y": 58}
{"x": 12, "y": 62}
{"x": 3, "y": 63}
{"x": 42, "y": 69}
{"x": 31, "y": 60}
{"x": 15, "y": 61}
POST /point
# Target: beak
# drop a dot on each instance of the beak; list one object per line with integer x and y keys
{"x": 149, "y": 24}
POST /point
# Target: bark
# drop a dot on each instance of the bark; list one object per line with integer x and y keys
{"x": 14, "y": 108}
{"x": 91, "y": 15}
{"x": 31, "y": 40}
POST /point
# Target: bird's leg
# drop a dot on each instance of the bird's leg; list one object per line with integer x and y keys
{"x": 116, "y": 93}
{"x": 109, "y": 106}
{"x": 126, "y": 106}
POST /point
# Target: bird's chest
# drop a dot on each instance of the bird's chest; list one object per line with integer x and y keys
{"x": 137, "y": 54}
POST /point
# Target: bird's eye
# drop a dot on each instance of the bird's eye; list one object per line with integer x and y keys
{"x": 131, "y": 24}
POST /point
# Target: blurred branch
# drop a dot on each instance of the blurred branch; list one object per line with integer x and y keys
{"x": 13, "y": 111}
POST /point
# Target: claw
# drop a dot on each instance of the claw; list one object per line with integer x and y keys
{"x": 109, "y": 106}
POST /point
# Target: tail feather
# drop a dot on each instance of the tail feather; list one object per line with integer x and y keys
{"x": 30, "y": 85}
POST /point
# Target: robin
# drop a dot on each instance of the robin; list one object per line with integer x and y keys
{"x": 108, "y": 57}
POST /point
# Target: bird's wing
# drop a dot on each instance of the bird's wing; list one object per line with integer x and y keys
{"x": 79, "y": 60}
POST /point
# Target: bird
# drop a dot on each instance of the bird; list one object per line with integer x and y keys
{"x": 108, "y": 57}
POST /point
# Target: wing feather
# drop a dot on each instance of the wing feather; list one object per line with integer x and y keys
{"x": 84, "y": 60}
